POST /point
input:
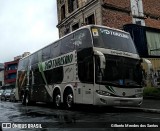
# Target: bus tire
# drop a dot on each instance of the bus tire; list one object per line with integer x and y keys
{"x": 25, "y": 99}
{"x": 57, "y": 99}
{"x": 68, "y": 99}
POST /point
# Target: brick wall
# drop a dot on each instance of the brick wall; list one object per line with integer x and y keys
{"x": 152, "y": 7}
{"x": 153, "y": 23}
{"x": 116, "y": 13}
{"x": 152, "y": 11}
{"x": 115, "y": 19}
{"x": 119, "y": 3}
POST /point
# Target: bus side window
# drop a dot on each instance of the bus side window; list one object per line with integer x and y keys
{"x": 23, "y": 64}
{"x": 38, "y": 80}
{"x": 82, "y": 39}
{"x": 46, "y": 53}
{"x": 85, "y": 68}
{"x": 39, "y": 56}
{"x": 20, "y": 65}
{"x": 67, "y": 44}
{"x": 34, "y": 58}
{"x": 54, "y": 76}
{"x": 26, "y": 63}
{"x": 55, "y": 49}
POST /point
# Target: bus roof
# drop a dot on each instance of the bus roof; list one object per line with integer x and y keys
{"x": 83, "y": 27}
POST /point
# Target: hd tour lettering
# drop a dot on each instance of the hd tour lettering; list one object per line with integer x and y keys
{"x": 53, "y": 63}
{"x": 114, "y": 33}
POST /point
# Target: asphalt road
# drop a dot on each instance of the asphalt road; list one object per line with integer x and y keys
{"x": 81, "y": 118}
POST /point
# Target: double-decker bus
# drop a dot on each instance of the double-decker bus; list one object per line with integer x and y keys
{"x": 94, "y": 65}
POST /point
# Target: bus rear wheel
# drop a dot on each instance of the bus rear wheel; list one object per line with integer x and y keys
{"x": 57, "y": 99}
{"x": 69, "y": 100}
{"x": 25, "y": 99}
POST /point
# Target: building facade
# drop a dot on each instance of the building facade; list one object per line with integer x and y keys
{"x": 73, "y": 14}
{"x": 10, "y": 71}
{"x": 1, "y": 74}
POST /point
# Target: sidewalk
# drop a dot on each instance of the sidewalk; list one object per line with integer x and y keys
{"x": 151, "y": 103}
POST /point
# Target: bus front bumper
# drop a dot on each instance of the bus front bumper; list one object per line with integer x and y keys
{"x": 117, "y": 101}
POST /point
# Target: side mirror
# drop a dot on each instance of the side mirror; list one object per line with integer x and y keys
{"x": 102, "y": 60}
{"x": 102, "y": 63}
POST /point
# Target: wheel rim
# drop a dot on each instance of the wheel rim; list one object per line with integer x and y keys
{"x": 69, "y": 100}
{"x": 22, "y": 99}
{"x": 58, "y": 100}
{"x": 27, "y": 99}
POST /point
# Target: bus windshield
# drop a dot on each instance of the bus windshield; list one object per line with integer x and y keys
{"x": 113, "y": 39}
{"x": 120, "y": 71}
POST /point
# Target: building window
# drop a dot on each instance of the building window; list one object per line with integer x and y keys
{"x": 12, "y": 76}
{"x": 63, "y": 13}
{"x": 75, "y": 26}
{"x": 72, "y": 5}
{"x": 66, "y": 29}
{"x": 90, "y": 19}
{"x": 138, "y": 22}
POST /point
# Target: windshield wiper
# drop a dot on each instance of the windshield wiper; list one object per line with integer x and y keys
{"x": 115, "y": 83}
{"x": 131, "y": 83}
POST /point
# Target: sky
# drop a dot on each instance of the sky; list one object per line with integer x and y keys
{"x": 26, "y": 26}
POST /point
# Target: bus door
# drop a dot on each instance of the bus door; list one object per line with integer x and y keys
{"x": 31, "y": 88}
{"x": 37, "y": 86}
{"x": 86, "y": 76}
{"x": 87, "y": 90}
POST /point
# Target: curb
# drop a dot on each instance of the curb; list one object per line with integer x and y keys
{"x": 151, "y": 110}
{"x": 147, "y": 110}
{"x": 151, "y": 97}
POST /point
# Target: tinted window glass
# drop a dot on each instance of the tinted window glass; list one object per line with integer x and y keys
{"x": 82, "y": 39}
{"x": 38, "y": 80}
{"x": 85, "y": 68}
{"x": 46, "y": 53}
{"x": 34, "y": 58}
{"x": 20, "y": 65}
{"x": 23, "y": 64}
{"x": 55, "y": 49}
{"x": 113, "y": 39}
{"x": 40, "y": 56}
{"x": 67, "y": 44}
{"x": 120, "y": 71}
{"x": 54, "y": 75}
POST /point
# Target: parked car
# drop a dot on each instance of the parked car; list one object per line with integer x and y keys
{"x": 12, "y": 95}
{"x": 6, "y": 94}
{"x": 1, "y": 91}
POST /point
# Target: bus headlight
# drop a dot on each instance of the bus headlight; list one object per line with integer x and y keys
{"x": 100, "y": 92}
